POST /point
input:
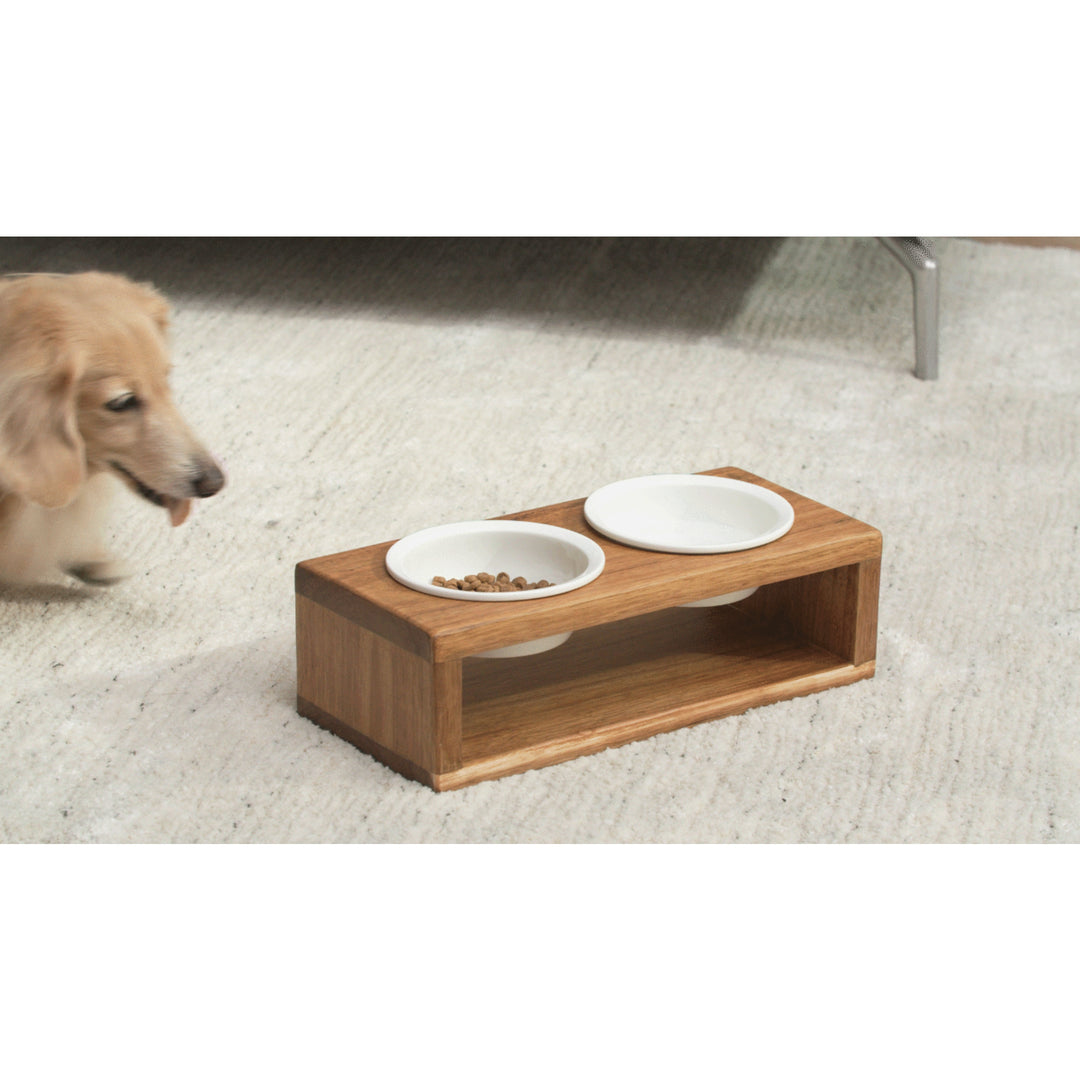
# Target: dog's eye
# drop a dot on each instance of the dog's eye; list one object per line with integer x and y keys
{"x": 122, "y": 403}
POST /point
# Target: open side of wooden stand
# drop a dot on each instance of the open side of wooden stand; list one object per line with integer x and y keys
{"x": 390, "y": 670}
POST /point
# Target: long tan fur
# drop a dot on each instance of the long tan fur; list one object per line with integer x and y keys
{"x": 85, "y": 400}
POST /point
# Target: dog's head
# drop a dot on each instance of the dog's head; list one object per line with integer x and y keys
{"x": 84, "y": 368}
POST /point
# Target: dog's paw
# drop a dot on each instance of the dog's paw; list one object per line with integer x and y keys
{"x": 106, "y": 572}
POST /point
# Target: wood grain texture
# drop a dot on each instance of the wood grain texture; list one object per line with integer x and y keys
{"x": 393, "y": 671}
{"x": 634, "y": 581}
{"x": 671, "y": 665}
{"x": 386, "y": 694}
{"x": 592, "y": 741}
{"x": 835, "y": 609}
{"x": 402, "y": 765}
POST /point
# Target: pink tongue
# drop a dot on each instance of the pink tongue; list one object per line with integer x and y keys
{"x": 178, "y": 509}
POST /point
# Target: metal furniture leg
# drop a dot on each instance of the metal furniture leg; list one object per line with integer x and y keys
{"x": 918, "y": 259}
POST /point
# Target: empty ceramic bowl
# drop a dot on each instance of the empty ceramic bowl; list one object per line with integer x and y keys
{"x": 689, "y": 514}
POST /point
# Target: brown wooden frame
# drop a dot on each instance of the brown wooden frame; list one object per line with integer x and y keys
{"x": 392, "y": 670}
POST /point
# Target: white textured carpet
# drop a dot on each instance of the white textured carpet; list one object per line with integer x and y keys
{"x": 357, "y": 391}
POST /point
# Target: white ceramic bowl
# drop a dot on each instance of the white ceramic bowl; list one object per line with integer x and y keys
{"x": 689, "y": 514}
{"x": 727, "y": 598}
{"x": 526, "y": 548}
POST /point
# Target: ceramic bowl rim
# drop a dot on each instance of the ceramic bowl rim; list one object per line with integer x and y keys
{"x": 595, "y": 516}
{"x": 407, "y": 544}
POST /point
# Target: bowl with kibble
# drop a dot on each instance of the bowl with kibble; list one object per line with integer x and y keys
{"x": 497, "y": 561}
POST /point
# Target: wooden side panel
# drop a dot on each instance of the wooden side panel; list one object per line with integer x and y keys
{"x": 387, "y": 696}
{"x": 867, "y": 590}
{"x": 835, "y": 609}
{"x": 336, "y": 596}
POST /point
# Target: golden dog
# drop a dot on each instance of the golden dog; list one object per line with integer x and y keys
{"x": 84, "y": 399}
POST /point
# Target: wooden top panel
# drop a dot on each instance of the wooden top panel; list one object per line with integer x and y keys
{"x": 355, "y": 583}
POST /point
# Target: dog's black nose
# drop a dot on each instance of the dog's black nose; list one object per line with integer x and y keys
{"x": 209, "y": 481}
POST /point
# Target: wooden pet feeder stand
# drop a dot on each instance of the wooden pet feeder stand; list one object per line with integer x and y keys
{"x": 393, "y": 670}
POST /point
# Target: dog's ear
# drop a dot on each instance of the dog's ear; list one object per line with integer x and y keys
{"x": 41, "y": 451}
{"x": 156, "y": 306}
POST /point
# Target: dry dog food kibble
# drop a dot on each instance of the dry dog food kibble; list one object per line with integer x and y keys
{"x": 489, "y": 583}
